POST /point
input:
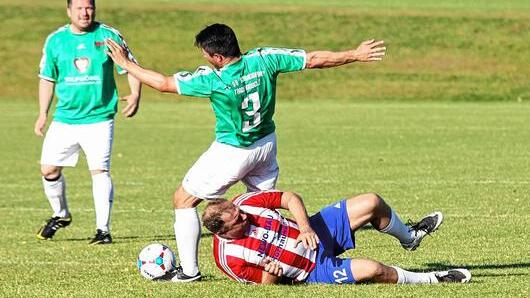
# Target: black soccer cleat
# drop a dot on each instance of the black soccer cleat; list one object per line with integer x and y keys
{"x": 454, "y": 275}
{"x": 101, "y": 238}
{"x": 424, "y": 227}
{"x": 47, "y": 231}
{"x": 177, "y": 275}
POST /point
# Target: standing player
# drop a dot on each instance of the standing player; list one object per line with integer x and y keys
{"x": 254, "y": 243}
{"x": 74, "y": 63}
{"x": 242, "y": 91}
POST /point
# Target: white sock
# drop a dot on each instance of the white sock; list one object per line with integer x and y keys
{"x": 187, "y": 234}
{"x": 407, "y": 277}
{"x": 103, "y": 192}
{"x": 398, "y": 229}
{"x": 56, "y": 193}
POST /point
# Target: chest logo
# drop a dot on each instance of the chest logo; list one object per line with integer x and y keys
{"x": 81, "y": 64}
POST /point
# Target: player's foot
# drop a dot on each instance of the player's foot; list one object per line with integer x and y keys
{"x": 101, "y": 238}
{"x": 178, "y": 275}
{"x": 454, "y": 275}
{"x": 425, "y": 226}
{"x": 51, "y": 226}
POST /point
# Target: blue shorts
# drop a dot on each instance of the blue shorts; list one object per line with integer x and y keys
{"x": 332, "y": 226}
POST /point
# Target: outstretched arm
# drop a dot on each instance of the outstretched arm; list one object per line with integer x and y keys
{"x": 367, "y": 51}
{"x": 151, "y": 78}
{"x": 295, "y": 205}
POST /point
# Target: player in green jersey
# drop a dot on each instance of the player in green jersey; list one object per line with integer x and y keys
{"x": 76, "y": 68}
{"x": 242, "y": 92}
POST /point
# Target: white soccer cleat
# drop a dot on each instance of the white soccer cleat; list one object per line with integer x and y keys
{"x": 425, "y": 226}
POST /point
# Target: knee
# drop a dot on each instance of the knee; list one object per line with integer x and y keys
{"x": 372, "y": 201}
{"x": 182, "y": 199}
{"x": 379, "y": 273}
{"x": 50, "y": 172}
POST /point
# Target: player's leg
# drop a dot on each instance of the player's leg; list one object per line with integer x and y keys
{"x": 220, "y": 167}
{"x": 97, "y": 144}
{"x": 366, "y": 270}
{"x": 371, "y": 208}
{"x": 264, "y": 172}
{"x": 187, "y": 228}
{"x": 59, "y": 149}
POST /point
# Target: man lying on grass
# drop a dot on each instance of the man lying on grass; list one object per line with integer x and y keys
{"x": 254, "y": 243}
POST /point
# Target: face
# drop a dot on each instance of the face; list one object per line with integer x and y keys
{"x": 236, "y": 223}
{"x": 82, "y": 14}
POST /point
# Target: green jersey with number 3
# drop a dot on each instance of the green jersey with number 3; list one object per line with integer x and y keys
{"x": 83, "y": 74}
{"x": 243, "y": 93}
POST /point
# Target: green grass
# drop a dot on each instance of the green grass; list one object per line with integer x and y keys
{"x": 441, "y": 124}
{"x": 465, "y": 53}
{"x": 468, "y": 160}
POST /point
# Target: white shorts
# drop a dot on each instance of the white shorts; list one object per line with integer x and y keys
{"x": 64, "y": 141}
{"x": 222, "y": 166}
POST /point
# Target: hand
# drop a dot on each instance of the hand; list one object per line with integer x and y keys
{"x": 273, "y": 268}
{"x": 40, "y": 124}
{"x": 369, "y": 51}
{"x": 117, "y": 53}
{"x": 308, "y": 238}
{"x": 133, "y": 103}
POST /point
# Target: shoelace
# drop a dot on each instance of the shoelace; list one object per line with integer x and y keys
{"x": 418, "y": 226}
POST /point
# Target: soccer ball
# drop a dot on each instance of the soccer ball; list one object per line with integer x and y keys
{"x": 155, "y": 260}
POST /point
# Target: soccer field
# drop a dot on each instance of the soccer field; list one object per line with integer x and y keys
{"x": 441, "y": 124}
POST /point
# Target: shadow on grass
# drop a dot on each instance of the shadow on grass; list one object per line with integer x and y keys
{"x": 444, "y": 266}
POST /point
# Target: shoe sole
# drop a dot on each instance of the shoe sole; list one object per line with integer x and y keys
{"x": 100, "y": 242}
{"x": 438, "y": 224}
{"x": 195, "y": 278}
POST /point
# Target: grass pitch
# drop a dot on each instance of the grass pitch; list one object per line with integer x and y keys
{"x": 442, "y": 124}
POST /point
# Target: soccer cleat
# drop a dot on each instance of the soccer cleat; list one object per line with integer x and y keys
{"x": 47, "y": 231}
{"x": 177, "y": 275}
{"x": 454, "y": 275}
{"x": 425, "y": 226}
{"x": 101, "y": 238}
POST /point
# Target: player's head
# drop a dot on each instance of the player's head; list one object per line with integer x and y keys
{"x": 81, "y": 13}
{"x": 225, "y": 219}
{"x": 217, "y": 41}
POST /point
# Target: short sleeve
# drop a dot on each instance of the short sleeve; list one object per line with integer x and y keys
{"x": 250, "y": 273}
{"x": 198, "y": 84}
{"x": 265, "y": 199}
{"x": 48, "y": 63}
{"x": 284, "y": 60}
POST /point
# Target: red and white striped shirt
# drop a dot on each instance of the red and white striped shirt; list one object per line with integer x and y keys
{"x": 270, "y": 237}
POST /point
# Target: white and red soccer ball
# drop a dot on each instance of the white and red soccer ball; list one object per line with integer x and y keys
{"x": 155, "y": 260}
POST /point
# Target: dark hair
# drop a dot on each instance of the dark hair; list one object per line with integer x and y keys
{"x": 211, "y": 218}
{"x": 69, "y": 3}
{"x": 218, "y": 39}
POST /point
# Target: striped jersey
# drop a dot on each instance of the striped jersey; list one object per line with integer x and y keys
{"x": 270, "y": 237}
{"x": 243, "y": 93}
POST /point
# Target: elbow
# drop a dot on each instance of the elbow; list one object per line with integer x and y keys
{"x": 167, "y": 85}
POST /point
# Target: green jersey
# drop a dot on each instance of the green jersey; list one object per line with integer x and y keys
{"x": 82, "y": 73}
{"x": 243, "y": 93}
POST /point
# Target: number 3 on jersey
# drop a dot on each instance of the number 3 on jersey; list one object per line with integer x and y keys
{"x": 253, "y": 98}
